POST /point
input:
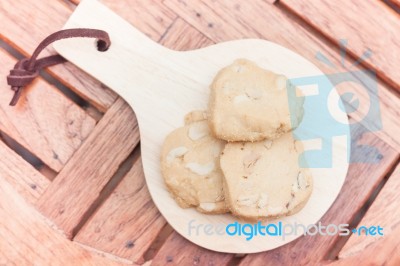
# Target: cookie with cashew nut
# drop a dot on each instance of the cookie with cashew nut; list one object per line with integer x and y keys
{"x": 263, "y": 179}
{"x": 190, "y": 165}
{"x": 248, "y": 103}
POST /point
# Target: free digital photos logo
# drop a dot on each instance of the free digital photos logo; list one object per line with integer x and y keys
{"x": 323, "y": 118}
{"x": 279, "y": 230}
{"x": 352, "y": 94}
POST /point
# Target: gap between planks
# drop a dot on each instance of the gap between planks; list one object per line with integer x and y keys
{"x": 377, "y": 250}
{"x": 299, "y": 37}
{"x": 333, "y": 253}
{"x": 15, "y": 34}
{"x": 19, "y": 148}
{"x": 30, "y": 158}
{"x": 393, "y": 4}
{"x": 199, "y": 20}
{"x": 363, "y": 32}
{"x": 51, "y": 131}
{"x": 67, "y": 92}
{"x": 69, "y": 196}
{"x": 24, "y": 243}
{"x": 106, "y": 191}
{"x": 383, "y": 211}
{"x": 26, "y": 180}
{"x": 128, "y": 221}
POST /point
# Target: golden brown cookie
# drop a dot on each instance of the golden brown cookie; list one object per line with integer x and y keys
{"x": 263, "y": 179}
{"x": 248, "y": 103}
{"x": 190, "y": 166}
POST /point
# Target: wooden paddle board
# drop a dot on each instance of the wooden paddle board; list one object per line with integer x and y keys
{"x": 163, "y": 85}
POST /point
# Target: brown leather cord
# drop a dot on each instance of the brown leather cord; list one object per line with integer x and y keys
{"x": 27, "y": 69}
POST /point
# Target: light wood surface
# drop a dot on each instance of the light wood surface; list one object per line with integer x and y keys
{"x": 181, "y": 36}
{"x": 187, "y": 25}
{"x": 152, "y": 18}
{"x": 163, "y": 85}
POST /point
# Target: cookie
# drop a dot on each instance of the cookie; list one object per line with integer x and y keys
{"x": 263, "y": 179}
{"x": 190, "y": 166}
{"x": 248, "y": 103}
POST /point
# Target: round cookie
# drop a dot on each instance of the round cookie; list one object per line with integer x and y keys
{"x": 248, "y": 103}
{"x": 190, "y": 166}
{"x": 263, "y": 179}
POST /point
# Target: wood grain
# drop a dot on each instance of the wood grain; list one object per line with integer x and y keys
{"x": 51, "y": 131}
{"x": 76, "y": 187}
{"x": 25, "y": 180}
{"x": 149, "y": 16}
{"x": 361, "y": 181}
{"x": 27, "y": 239}
{"x": 396, "y": 3}
{"x": 217, "y": 27}
{"x": 227, "y": 20}
{"x": 26, "y": 29}
{"x": 344, "y": 19}
{"x": 128, "y": 221}
{"x": 179, "y": 251}
{"x": 385, "y": 212}
{"x": 182, "y": 36}
{"x": 114, "y": 227}
{"x": 163, "y": 85}
{"x": 383, "y": 252}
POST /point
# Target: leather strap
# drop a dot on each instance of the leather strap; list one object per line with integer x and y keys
{"x": 27, "y": 69}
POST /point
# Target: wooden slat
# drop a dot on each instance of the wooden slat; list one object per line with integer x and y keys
{"x": 179, "y": 251}
{"x": 396, "y": 3}
{"x": 164, "y": 254}
{"x": 176, "y": 250}
{"x": 119, "y": 226}
{"x": 383, "y": 252}
{"x": 149, "y": 16}
{"x": 385, "y": 212}
{"x": 26, "y": 239}
{"x": 88, "y": 171}
{"x": 28, "y": 182}
{"x": 227, "y": 20}
{"x": 128, "y": 221}
{"x": 361, "y": 181}
{"x": 343, "y": 19}
{"x": 24, "y": 31}
{"x": 51, "y": 131}
{"x": 182, "y": 37}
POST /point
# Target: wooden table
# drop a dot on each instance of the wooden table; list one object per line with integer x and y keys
{"x": 71, "y": 183}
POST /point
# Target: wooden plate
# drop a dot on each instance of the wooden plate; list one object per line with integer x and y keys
{"x": 163, "y": 85}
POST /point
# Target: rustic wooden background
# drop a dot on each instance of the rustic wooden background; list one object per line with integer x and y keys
{"x": 71, "y": 183}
